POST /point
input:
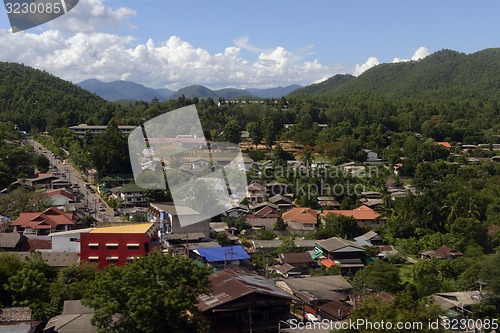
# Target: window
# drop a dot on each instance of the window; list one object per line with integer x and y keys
{"x": 112, "y": 259}
{"x": 112, "y": 246}
{"x": 93, "y": 259}
{"x": 73, "y": 239}
{"x": 133, "y": 246}
{"x": 130, "y": 259}
{"x": 93, "y": 246}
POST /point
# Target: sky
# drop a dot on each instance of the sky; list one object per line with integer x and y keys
{"x": 245, "y": 44}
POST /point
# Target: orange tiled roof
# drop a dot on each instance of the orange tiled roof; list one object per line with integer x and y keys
{"x": 361, "y": 213}
{"x": 301, "y": 215}
{"x": 51, "y": 216}
{"x": 444, "y": 144}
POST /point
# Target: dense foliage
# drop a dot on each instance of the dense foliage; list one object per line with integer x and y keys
{"x": 156, "y": 293}
{"x": 37, "y": 101}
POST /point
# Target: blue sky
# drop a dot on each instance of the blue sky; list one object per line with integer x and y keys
{"x": 257, "y": 43}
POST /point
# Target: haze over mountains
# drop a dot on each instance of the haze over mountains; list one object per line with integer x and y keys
{"x": 126, "y": 90}
{"x": 445, "y": 70}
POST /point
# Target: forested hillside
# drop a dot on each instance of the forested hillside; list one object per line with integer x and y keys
{"x": 37, "y": 101}
{"x": 444, "y": 73}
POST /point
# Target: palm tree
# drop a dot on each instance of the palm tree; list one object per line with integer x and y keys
{"x": 471, "y": 209}
{"x": 307, "y": 158}
{"x": 451, "y": 208}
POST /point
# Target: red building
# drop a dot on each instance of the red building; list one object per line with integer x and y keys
{"x": 118, "y": 245}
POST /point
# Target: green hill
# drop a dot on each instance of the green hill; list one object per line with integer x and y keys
{"x": 37, "y": 101}
{"x": 445, "y": 72}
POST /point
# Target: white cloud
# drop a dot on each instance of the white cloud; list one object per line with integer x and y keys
{"x": 173, "y": 63}
{"x": 91, "y": 16}
{"x": 75, "y": 48}
{"x": 371, "y": 62}
{"x": 243, "y": 42}
{"x": 420, "y": 53}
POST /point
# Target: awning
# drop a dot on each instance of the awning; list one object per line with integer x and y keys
{"x": 133, "y": 244}
{"x": 111, "y": 244}
{"x": 317, "y": 253}
{"x": 328, "y": 263}
{"x": 93, "y": 258}
{"x": 93, "y": 244}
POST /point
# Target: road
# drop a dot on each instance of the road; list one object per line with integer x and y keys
{"x": 68, "y": 172}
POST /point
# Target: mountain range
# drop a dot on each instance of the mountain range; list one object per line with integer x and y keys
{"x": 36, "y": 100}
{"x": 127, "y": 90}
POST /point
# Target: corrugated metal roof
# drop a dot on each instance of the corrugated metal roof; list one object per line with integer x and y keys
{"x": 232, "y": 284}
{"x": 295, "y": 258}
{"x": 226, "y": 253}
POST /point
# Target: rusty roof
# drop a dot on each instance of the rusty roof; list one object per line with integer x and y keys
{"x": 295, "y": 258}
{"x": 336, "y": 309}
{"x": 443, "y": 252}
{"x": 232, "y": 284}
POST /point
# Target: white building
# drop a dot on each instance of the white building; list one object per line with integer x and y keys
{"x": 67, "y": 241}
{"x": 81, "y": 129}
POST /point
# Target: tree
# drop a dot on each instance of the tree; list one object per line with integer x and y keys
{"x": 42, "y": 163}
{"x": 280, "y": 156}
{"x": 23, "y": 200}
{"x": 71, "y": 284}
{"x": 307, "y": 158}
{"x": 269, "y": 132}
{"x": 469, "y": 232}
{"x": 403, "y": 309}
{"x": 255, "y": 131}
{"x": 109, "y": 152}
{"x": 232, "y": 132}
{"x": 266, "y": 235}
{"x": 280, "y": 225}
{"x": 155, "y": 293}
{"x": 451, "y": 208}
{"x": 222, "y": 239}
{"x": 427, "y": 281}
{"x": 29, "y": 286}
{"x": 287, "y": 245}
{"x": 339, "y": 226}
{"x": 87, "y": 221}
{"x": 380, "y": 276}
{"x": 10, "y": 264}
{"x": 490, "y": 272}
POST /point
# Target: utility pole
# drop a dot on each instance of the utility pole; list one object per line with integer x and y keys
{"x": 231, "y": 252}
{"x": 250, "y": 319}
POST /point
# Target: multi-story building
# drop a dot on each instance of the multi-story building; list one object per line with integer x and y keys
{"x": 132, "y": 195}
{"x": 118, "y": 245}
{"x": 168, "y": 214}
{"x": 81, "y": 129}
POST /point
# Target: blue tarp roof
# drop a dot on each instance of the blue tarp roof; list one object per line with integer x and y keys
{"x": 228, "y": 253}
